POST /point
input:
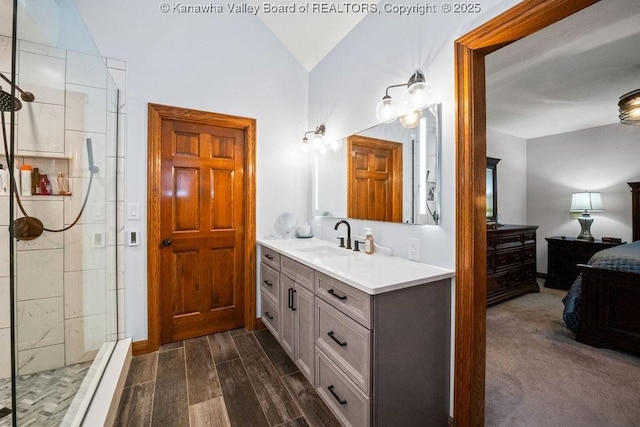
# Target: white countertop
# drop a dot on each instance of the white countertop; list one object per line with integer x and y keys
{"x": 373, "y": 274}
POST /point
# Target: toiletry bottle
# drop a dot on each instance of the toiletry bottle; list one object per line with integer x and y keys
{"x": 4, "y": 180}
{"x": 25, "y": 180}
{"x": 45, "y": 185}
{"x": 369, "y": 245}
{"x": 63, "y": 184}
{"x": 35, "y": 180}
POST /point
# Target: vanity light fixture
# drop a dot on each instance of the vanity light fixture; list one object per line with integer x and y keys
{"x": 318, "y": 142}
{"x": 586, "y": 202}
{"x": 629, "y": 106}
{"x": 318, "y": 136}
{"x": 387, "y": 110}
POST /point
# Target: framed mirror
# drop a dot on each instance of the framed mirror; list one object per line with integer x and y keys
{"x": 385, "y": 173}
{"x": 492, "y": 190}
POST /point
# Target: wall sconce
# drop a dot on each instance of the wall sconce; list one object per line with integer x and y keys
{"x": 387, "y": 111}
{"x": 316, "y": 143}
{"x": 586, "y": 202}
{"x": 629, "y": 107}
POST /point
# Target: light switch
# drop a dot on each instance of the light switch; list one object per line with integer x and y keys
{"x": 133, "y": 210}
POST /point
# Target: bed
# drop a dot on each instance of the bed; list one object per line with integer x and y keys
{"x": 603, "y": 305}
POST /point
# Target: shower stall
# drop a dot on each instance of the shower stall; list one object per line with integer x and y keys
{"x": 61, "y": 215}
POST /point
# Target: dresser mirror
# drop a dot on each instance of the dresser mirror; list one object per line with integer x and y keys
{"x": 391, "y": 173}
{"x": 492, "y": 190}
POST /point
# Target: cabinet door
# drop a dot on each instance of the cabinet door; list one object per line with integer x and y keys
{"x": 287, "y": 324}
{"x": 304, "y": 342}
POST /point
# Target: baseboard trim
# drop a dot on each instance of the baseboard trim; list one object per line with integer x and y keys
{"x": 140, "y": 347}
{"x": 541, "y": 275}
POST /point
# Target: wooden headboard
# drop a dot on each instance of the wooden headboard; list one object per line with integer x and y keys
{"x": 635, "y": 209}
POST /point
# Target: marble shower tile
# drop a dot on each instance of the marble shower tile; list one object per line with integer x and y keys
{"x": 5, "y": 304}
{"x": 121, "y": 311}
{"x": 84, "y": 293}
{"x": 83, "y": 338}
{"x": 5, "y": 353}
{"x": 86, "y": 70}
{"x": 115, "y": 121}
{"x": 41, "y": 129}
{"x": 80, "y": 250}
{"x": 116, "y": 83}
{"x": 116, "y": 64}
{"x": 5, "y": 55}
{"x": 76, "y": 150}
{"x": 115, "y": 279}
{"x": 44, "y": 76}
{"x": 40, "y": 274}
{"x": 115, "y": 192}
{"x": 116, "y": 236}
{"x": 40, "y": 323}
{"x": 112, "y": 313}
{"x": 86, "y": 109}
{"x": 4, "y": 250}
{"x": 4, "y": 206}
{"x": 40, "y": 359}
{"x": 49, "y": 211}
{"x": 42, "y": 49}
{"x": 95, "y": 210}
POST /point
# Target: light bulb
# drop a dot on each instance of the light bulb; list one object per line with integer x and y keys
{"x": 385, "y": 110}
{"x": 305, "y": 145}
{"x": 411, "y": 119}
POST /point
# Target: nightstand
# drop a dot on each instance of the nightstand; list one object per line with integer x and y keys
{"x": 563, "y": 255}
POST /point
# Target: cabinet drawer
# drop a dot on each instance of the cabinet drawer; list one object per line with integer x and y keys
{"x": 300, "y": 273}
{"x": 508, "y": 258}
{"x": 508, "y": 239}
{"x": 270, "y": 281}
{"x": 345, "y": 400}
{"x": 271, "y": 316}
{"x": 353, "y": 302}
{"x": 270, "y": 257}
{"x": 345, "y": 341}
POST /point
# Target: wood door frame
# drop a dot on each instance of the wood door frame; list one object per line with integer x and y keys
{"x": 397, "y": 175}
{"x": 157, "y": 112}
{"x": 470, "y": 300}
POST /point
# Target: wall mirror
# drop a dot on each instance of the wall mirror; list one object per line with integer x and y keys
{"x": 385, "y": 173}
{"x": 492, "y": 190}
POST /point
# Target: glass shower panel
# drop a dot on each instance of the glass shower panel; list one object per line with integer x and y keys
{"x": 66, "y": 279}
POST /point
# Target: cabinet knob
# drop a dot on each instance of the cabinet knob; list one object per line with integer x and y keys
{"x": 166, "y": 242}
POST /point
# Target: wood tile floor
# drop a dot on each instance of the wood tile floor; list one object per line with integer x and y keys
{"x": 234, "y": 378}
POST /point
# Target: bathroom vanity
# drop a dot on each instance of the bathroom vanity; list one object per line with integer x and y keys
{"x": 370, "y": 332}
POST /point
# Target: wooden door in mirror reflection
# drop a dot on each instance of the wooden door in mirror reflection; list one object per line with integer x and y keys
{"x": 374, "y": 179}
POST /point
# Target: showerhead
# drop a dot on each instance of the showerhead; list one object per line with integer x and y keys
{"x": 8, "y": 102}
{"x": 5, "y": 98}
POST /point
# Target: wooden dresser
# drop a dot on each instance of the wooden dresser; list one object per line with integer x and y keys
{"x": 511, "y": 262}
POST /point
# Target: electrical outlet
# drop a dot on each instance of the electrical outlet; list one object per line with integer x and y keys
{"x": 414, "y": 249}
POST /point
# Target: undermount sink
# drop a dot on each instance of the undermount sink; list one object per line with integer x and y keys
{"x": 326, "y": 252}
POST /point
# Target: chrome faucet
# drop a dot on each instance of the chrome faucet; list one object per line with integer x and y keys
{"x": 343, "y": 221}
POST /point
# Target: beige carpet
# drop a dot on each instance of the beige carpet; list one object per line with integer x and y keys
{"x": 538, "y": 375}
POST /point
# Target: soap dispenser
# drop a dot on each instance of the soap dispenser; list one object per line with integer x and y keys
{"x": 369, "y": 244}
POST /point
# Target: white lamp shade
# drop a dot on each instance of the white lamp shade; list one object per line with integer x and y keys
{"x": 586, "y": 202}
{"x": 386, "y": 111}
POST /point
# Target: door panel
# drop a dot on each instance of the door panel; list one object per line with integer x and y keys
{"x": 202, "y": 267}
{"x": 374, "y": 189}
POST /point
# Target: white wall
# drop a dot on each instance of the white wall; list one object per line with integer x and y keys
{"x": 227, "y": 63}
{"x": 344, "y": 88}
{"x": 512, "y": 176}
{"x": 601, "y": 159}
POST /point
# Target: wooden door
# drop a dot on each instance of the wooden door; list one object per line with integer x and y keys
{"x": 202, "y": 229}
{"x": 374, "y": 181}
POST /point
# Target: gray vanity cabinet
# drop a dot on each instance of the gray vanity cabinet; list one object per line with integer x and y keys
{"x": 296, "y": 334}
{"x": 377, "y": 359}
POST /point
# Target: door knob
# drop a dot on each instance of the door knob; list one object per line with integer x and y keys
{"x": 166, "y": 242}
